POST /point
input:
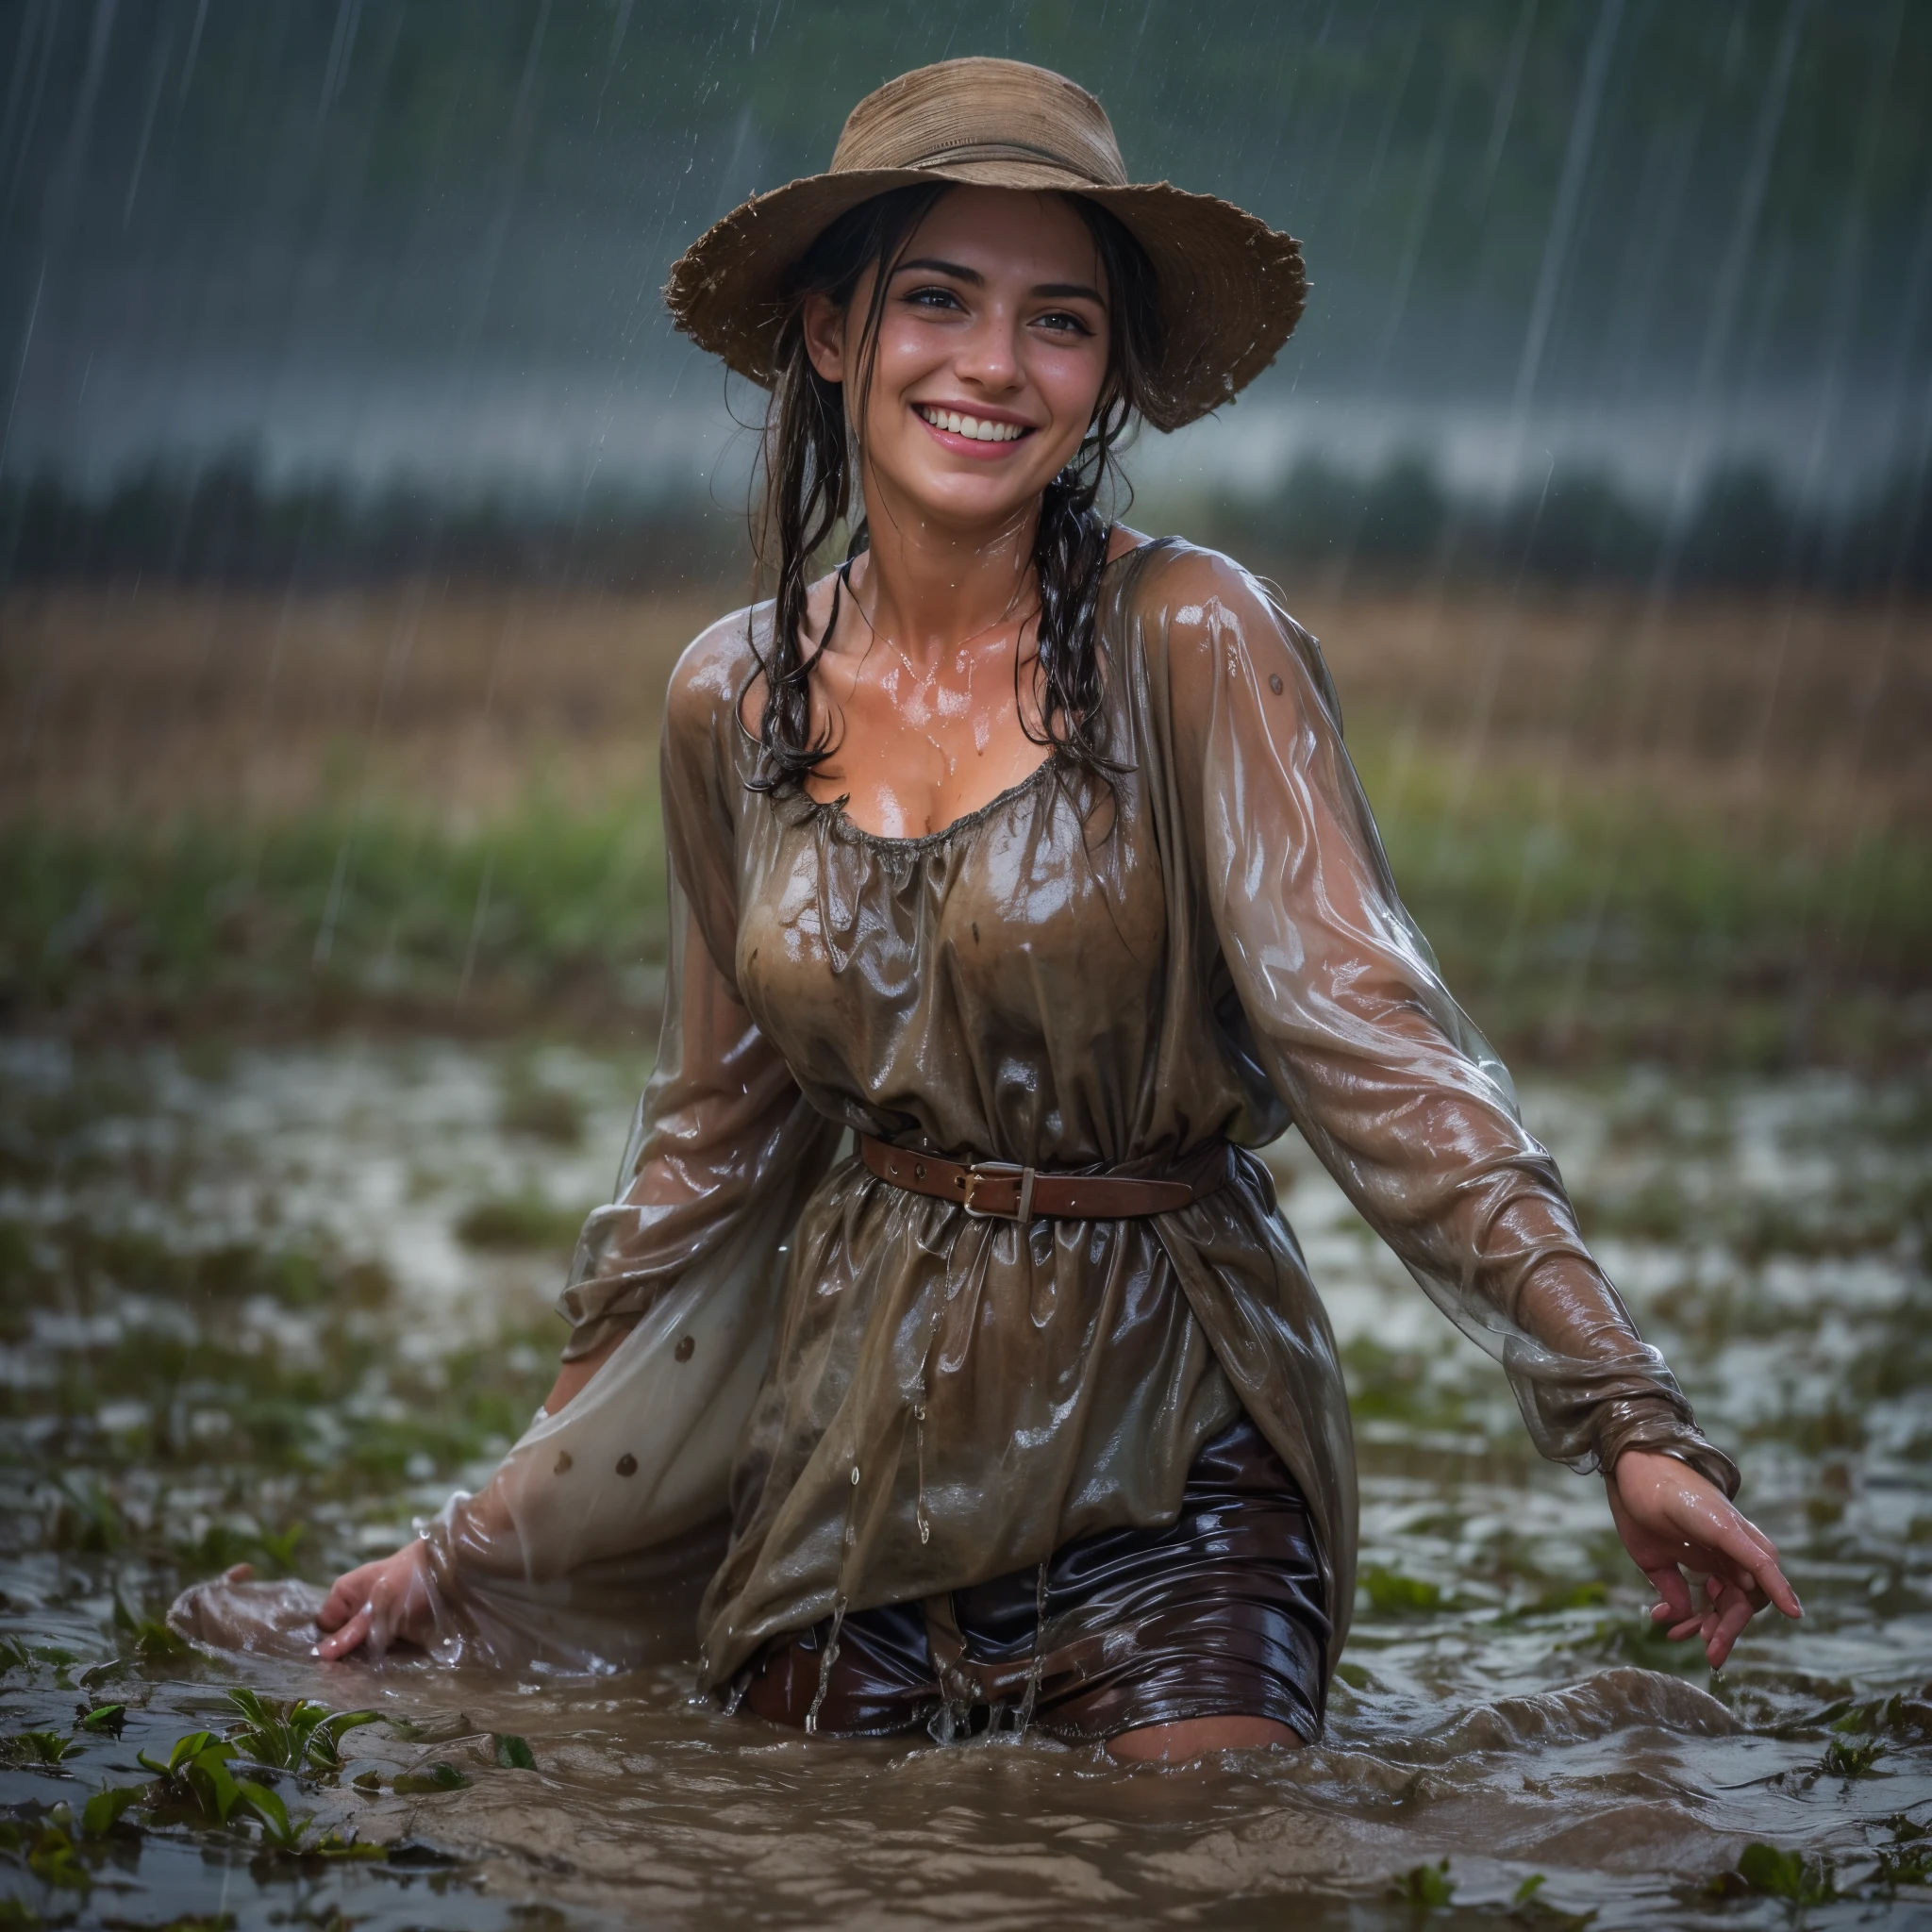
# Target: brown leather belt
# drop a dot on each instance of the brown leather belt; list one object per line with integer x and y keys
{"x": 1007, "y": 1190}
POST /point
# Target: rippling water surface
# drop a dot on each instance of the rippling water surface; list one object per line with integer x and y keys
{"x": 266, "y": 1305}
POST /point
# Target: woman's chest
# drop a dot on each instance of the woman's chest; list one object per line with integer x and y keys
{"x": 1041, "y": 918}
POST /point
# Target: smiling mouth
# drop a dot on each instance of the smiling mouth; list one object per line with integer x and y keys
{"x": 974, "y": 427}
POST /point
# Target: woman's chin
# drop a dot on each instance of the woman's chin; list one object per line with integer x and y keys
{"x": 967, "y": 504}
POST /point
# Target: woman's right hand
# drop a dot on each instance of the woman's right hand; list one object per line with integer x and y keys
{"x": 379, "y": 1605}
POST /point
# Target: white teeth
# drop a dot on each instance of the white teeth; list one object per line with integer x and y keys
{"x": 960, "y": 423}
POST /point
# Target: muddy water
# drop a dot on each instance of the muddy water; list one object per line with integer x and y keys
{"x": 266, "y": 1307}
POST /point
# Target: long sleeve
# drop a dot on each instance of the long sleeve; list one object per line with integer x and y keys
{"x": 722, "y": 1129}
{"x": 1337, "y": 999}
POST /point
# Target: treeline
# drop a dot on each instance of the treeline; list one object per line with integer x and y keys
{"x": 1740, "y": 531}
{"x": 225, "y": 523}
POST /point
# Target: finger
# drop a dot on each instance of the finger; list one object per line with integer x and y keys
{"x": 1675, "y": 1592}
{"x": 347, "y": 1639}
{"x": 1690, "y": 1626}
{"x": 1755, "y": 1555}
{"x": 1731, "y": 1626}
{"x": 346, "y": 1597}
{"x": 239, "y": 1573}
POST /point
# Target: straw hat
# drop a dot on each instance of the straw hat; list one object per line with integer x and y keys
{"x": 1230, "y": 288}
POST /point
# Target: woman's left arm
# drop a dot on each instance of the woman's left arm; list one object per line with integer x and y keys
{"x": 1407, "y": 1106}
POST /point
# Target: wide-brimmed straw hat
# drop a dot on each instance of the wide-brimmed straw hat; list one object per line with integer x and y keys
{"x": 1230, "y": 288}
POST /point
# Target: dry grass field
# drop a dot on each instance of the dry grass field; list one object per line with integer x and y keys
{"x": 144, "y": 705}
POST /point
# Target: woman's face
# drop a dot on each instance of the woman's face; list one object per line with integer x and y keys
{"x": 992, "y": 352}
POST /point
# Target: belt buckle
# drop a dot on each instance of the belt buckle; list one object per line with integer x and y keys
{"x": 1000, "y": 1170}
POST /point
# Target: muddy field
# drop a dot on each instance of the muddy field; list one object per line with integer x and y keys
{"x": 268, "y": 1306}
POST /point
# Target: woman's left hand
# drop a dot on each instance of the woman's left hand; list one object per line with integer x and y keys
{"x": 1669, "y": 1515}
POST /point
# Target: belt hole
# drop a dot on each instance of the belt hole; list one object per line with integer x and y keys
{"x": 919, "y": 1172}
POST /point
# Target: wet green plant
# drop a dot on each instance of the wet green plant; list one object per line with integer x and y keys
{"x": 1907, "y": 1860}
{"x": 103, "y": 1720}
{"x": 196, "y": 1771}
{"x": 1426, "y": 1888}
{"x": 1769, "y": 1872}
{"x": 428, "y": 1778}
{"x": 53, "y": 1859}
{"x": 1392, "y": 1594}
{"x": 148, "y": 1638}
{"x": 1556, "y": 1602}
{"x": 297, "y": 1734}
{"x": 104, "y": 1811}
{"x": 511, "y": 1752}
{"x": 1528, "y": 1907}
{"x": 1846, "y": 1758}
{"x": 37, "y": 1747}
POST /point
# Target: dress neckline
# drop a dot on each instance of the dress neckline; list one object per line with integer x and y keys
{"x": 833, "y": 811}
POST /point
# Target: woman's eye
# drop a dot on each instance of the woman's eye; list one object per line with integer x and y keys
{"x": 933, "y": 298}
{"x": 1062, "y": 321}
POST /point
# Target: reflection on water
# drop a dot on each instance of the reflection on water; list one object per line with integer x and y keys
{"x": 265, "y": 1306}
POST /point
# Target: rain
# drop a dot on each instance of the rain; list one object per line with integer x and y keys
{"x": 357, "y": 498}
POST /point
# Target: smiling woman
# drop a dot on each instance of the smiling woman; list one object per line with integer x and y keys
{"x": 1026, "y": 853}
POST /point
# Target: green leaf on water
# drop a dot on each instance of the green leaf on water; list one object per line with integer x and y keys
{"x": 53, "y": 1860}
{"x": 268, "y": 1807}
{"x": 427, "y": 1778}
{"x": 39, "y": 1747}
{"x": 513, "y": 1753}
{"x": 1528, "y": 1906}
{"x": 108, "y": 1718}
{"x": 1785, "y": 1874}
{"x": 104, "y": 1810}
{"x": 1429, "y": 1887}
{"x": 1353, "y": 1676}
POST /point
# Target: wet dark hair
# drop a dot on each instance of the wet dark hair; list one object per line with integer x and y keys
{"x": 810, "y": 468}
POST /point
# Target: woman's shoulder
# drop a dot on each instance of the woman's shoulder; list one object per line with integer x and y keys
{"x": 1198, "y": 608}
{"x": 713, "y": 671}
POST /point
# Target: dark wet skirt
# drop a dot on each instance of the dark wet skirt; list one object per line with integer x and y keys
{"x": 1220, "y": 1614}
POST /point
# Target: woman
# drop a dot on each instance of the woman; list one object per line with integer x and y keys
{"x": 1027, "y": 852}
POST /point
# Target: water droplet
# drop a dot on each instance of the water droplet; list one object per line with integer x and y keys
{"x": 686, "y": 1348}
{"x": 627, "y": 1465}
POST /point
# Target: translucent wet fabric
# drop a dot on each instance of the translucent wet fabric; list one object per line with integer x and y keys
{"x": 836, "y": 1394}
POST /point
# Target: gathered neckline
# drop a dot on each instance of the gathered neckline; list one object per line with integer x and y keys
{"x": 833, "y": 811}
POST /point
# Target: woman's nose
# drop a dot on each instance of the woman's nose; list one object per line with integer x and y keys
{"x": 989, "y": 355}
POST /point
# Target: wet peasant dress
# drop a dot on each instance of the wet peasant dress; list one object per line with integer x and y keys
{"x": 911, "y": 1401}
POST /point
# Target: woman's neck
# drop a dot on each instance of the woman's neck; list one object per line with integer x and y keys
{"x": 930, "y": 588}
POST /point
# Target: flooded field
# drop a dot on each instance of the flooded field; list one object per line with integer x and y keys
{"x": 266, "y": 1305}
